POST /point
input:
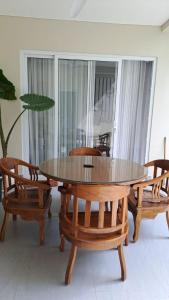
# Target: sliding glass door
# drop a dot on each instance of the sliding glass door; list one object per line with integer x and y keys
{"x": 86, "y": 103}
{"x": 97, "y": 103}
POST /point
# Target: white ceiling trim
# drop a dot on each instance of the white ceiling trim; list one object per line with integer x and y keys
{"x": 127, "y": 12}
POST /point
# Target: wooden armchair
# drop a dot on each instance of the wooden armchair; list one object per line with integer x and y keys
{"x": 27, "y": 197}
{"x": 85, "y": 151}
{"x": 104, "y": 143}
{"x": 150, "y": 197}
{"x": 159, "y": 167}
{"x": 94, "y": 230}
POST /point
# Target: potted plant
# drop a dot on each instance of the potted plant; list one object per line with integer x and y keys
{"x": 32, "y": 102}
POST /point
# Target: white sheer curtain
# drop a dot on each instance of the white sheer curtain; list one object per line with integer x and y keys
{"x": 134, "y": 110}
{"x": 73, "y": 105}
{"x": 41, "y": 124}
{"x": 90, "y": 103}
{"x": 104, "y": 99}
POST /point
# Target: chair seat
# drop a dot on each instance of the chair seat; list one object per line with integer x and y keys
{"x": 148, "y": 201}
{"x": 31, "y": 202}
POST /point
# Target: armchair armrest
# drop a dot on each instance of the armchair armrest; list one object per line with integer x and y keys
{"x": 149, "y": 164}
{"x": 32, "y": 183}
{"x": 150, "y": 182}
{"x": 33, "y": 172}
{"x": 28, "y": 165}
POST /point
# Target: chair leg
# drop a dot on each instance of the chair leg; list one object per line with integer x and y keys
{"x": 137, "y": 220}
{"x": 70, "y": 266}
{"x": 41, "y": 230}
{"x": 14, "y": 217}
{"x": 167, "y": 217}
{"x": 49, "y": 210}
{"x": 62, "y": 243}
{"x": 49, "y": 213}
{"x": 126, "y": 242}
{"x": 122, "y": 262}
{"x": 3, "y": 228}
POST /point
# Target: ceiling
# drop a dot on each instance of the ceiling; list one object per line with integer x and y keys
{"x": 139, "y": 12}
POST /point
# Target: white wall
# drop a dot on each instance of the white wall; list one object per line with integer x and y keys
{"x": 82, "y": 37}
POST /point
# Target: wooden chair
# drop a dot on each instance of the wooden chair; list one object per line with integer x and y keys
{"x": 104, "y": 149}
{"x": 104, "y": 143}
{"x": 26, "y": 197}
{"x": 85, "y": 151}
{"x": 150, "y": 197}
{"x": 159, "y": 166}
{"x": 94, "y": 230}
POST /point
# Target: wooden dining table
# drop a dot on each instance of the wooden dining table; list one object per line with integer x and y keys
{"x": 93, "y": 170}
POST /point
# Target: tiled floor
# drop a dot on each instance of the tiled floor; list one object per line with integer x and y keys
{"x": 31, "y": 272}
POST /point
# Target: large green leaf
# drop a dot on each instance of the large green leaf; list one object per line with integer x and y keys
{"x": 7, "y": 89}
{"x": 37, "y": 102}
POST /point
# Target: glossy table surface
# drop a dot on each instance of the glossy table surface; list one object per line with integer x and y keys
{"x": 93, "y": 170}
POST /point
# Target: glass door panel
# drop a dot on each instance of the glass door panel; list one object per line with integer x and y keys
{"x": 72, "y": 114}
{"x": 41, "y": 124}
{"x": 104, "y": 104}
{"x": 86, "y": 106}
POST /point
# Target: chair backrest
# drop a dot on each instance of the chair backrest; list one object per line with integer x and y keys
{"x": 104, "y": 221}
{"x": 160, "y": 166}
{"x": 85, "y": 151}
{"x": 105, "y": 139}
{"x": 10, "y": 167}
{"x": 10, "y": 163}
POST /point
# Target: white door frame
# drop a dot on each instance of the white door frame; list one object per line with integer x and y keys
{"x": 24, "y": 54}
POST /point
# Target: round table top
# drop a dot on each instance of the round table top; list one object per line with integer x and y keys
{"x": 93, "y": 170}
